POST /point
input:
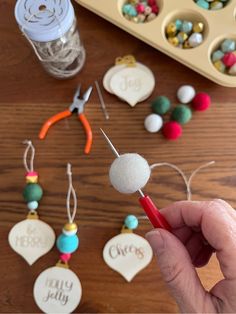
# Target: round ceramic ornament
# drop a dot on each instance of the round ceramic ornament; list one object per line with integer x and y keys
{"x": 31, "y": 238}
{"x": 127, "y": 253}
{"x": 58, "y": 289}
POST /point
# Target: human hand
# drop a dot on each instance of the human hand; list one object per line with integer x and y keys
{"x": 199, "y": 229}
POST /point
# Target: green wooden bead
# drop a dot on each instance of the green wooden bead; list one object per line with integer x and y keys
{"x": 32, "y": 192}
{"x": 181, "y": 114}
{"x": 161, "y": 105}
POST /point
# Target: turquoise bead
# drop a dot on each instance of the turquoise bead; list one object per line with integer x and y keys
{"x": 186, "y": 27}
{"x": 67, "y": 244}
{"x": 217, "y": 55}
{"x": 32, "y": 192}
{"x": 132, "y": 11}
{"x": 33, "y": 205}
{"x": 228, "y": 45}
{"x": 203, "y": 4}
{"x": 131, "y": 222}
{"x": 178, "y": 24}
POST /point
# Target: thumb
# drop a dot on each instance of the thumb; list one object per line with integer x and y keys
{"x": 178, "y": 272}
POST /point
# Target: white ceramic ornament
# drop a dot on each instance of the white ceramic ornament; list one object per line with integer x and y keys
{"x": 127, "y": 253}
{"x": 132, "y": 84}
{"x": 31, "y": 238}
{"x": 57, "y": 290}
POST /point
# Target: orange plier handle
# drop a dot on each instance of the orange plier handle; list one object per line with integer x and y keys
{"x": 57, "y": 117}
{"x": 88, "y": 131}
{"x": 64, "y": 114}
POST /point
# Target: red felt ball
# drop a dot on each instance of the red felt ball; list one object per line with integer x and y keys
{"x": 172, "y": 130}
{"x": 201, "y": 102}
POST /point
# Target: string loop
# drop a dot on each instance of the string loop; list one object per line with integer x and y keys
{"x": 71, "y": 191}
{"x": 187, "y": 181}
{"x": 29, "y": 147}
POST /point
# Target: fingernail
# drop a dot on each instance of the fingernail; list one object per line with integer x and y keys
{"x": 155, "y": 239}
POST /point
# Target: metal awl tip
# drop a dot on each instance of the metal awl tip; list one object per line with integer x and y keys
{"x": 110, "y": 143}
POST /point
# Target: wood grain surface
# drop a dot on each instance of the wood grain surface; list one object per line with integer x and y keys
{"x": 28, "y": 96}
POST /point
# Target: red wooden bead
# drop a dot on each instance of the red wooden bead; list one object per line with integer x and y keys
{"x": 65, "y": 257}
{"x": 229, "y": 59}
{"x": 172, "y": 130}
{"x": 201, "y": 102}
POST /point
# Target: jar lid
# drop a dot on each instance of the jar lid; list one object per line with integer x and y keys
{"x": 44, "y": 20}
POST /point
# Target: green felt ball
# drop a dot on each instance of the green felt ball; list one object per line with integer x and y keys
{"x": 161, "y": 105}
{"x": 181, "y": 114}
{"x": 32, "y": 192}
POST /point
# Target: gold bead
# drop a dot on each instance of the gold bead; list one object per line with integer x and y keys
{"x": 198, "y": 27}
{"x": 135, "y": 19}
{"x": 182, "y": 37}
{"x": 173, "y": 41}
{"x": 186, "y": 45}
{"x": 171, "y": 29}
{"x": 31, "y": 179}
{"x": 70, "y": 226}
{"x": 219, "y": 65}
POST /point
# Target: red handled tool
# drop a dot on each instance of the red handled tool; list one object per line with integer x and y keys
{"x": 153, "y": 214}
{"x": 78, "y": 104}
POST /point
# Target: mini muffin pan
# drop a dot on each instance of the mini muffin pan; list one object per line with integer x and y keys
{"x": 219, "y": 25}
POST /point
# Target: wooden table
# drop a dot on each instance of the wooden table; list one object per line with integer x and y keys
{"x": 28, "y": 96}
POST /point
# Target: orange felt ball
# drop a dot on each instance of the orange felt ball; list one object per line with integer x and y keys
{"x": 172, "y": 130}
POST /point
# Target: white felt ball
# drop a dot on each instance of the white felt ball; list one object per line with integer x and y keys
{"x": 185, "y": 94}
{"x": 129, "y": 173}
{"x": 153, "y": 123}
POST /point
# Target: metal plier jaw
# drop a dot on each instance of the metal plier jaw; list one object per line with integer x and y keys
{"x": 78, "y": 103}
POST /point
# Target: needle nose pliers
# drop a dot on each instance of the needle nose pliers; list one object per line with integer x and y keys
{"x": 78, "y": 104}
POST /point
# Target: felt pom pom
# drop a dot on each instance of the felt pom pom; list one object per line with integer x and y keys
{"x": 161, "y": 105}
{"x": 201, "y": 102}
{"x": 129, "y": 173}
{"x": 172, "y": 130}
{"x": 181, "y": 114}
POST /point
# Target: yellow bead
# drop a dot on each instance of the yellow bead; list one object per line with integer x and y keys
{"x": 173, "y": 41}
{"x": 135, "y": 19}
{"x": 70, "y": 226}
{"x": 31, "y": 179}
{"x": 219, "y": 65}
{"x": 182, "y": 37}
{"x": 171, "y": 29}
{"x": 198, "y": 27}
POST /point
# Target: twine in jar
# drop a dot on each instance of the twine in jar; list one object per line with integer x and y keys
{"x": 63, "y": 57}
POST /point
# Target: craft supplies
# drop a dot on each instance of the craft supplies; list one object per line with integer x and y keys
{"x": 185, "y": 34}
{"x": 50, "y": 28}
{"x": 224, "y": 58}
{"x": 172, "y": 130}
{"x": 129, "y": 80}
{"x": 153, "y": 123}
{"x": 216, "y": 26}
{"x": 103, "y": 106}
{"x": 58, "y": 289}
{"x": 129, "y": 173}
{"x": 201, "y": 102}
{"x": 181, "y": 114}
{"x": 212, "y": 4}
{"x": 128, "y": 253}
{"x": 155, "y": 217}
{"x": 185, "y": 94}
{"x": 140, "y": 11}
{"x": 77, "y": 105}
{"x": 31, "y": 238}
{"x": 161, "y": 105}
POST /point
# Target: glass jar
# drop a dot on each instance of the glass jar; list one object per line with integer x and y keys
{"x": 51, "y": 29}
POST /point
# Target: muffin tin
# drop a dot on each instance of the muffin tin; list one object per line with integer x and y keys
{"x": 219, "y": 25}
